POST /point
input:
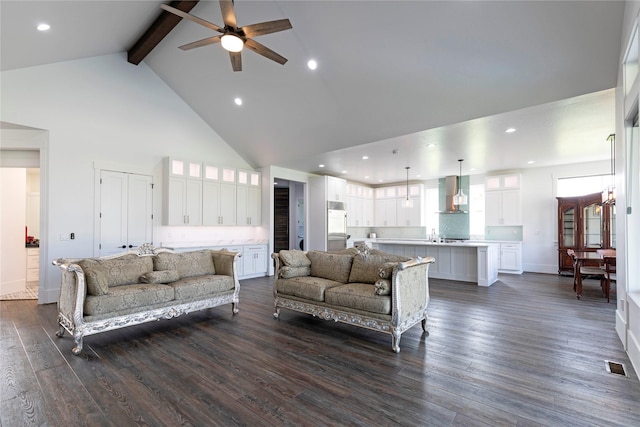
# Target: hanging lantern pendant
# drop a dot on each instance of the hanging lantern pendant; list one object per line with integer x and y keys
{"x": 460, "y": 198}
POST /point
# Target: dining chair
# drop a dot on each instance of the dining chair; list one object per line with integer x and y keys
{"x": 586, "y": 271}
{"x": 610, "y": 273}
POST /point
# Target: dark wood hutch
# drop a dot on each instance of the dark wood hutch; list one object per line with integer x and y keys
{"x": 584, "y": 224}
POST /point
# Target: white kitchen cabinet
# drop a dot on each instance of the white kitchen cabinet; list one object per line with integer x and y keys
{"x": 386, "y": 213}
{"x": 410, "y": 216}
{"x": 360, "y": 210}
{"x": 510, "y": 258}
{"x": 502, "y": 182}
{"x": 248, "y": 198}
{"x": 336, "y": 189}
{"x": 254, "y": 261}
{"x": 503, "y": 208}
{"x": 33, "y": 264}
{"x": 248, "y": 205}
{"x": 183, "y": 193}
{"x": 218, "y": 195}
{"x": 218, "y": 203}
{"x": 184, "y": 204}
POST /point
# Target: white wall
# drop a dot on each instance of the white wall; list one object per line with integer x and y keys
{"x": 105, "y": 111}
{"x": 540, "y": 211}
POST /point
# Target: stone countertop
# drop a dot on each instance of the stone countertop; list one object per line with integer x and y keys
{"x": 211, "y": 243}
{"x": 426, "y": 242}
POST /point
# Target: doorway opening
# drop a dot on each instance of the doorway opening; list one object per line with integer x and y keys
{"x": 289, "y": 215}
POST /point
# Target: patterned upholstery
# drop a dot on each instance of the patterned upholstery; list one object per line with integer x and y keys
{"x": 312, "y": 288}
{"x": 188, "y": 264}
{"x": 124, "y": 270}
{"x": 288, "y": 272}
{"x": 336, "y": 267}
{"x": 201, "y": 285}
{"x": 360, "y": 296}
{"x": 366, "y": 268}
{"x": 162, "y": 276}
{"x": 127, "y": 297}
{"x": 294, "y": 258}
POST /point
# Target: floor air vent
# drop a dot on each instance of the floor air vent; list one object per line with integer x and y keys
{"x": 615, "y": 368}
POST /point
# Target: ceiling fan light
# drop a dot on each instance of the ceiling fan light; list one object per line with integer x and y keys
{"x": 232, "y": 43}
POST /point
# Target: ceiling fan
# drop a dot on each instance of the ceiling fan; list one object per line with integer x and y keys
{"x": 234, "y": 38}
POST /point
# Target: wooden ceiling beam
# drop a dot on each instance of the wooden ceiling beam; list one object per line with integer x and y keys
{"x": 157, "y": 31}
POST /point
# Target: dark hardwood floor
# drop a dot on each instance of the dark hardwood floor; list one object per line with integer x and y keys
{"x": 522, "y": 352}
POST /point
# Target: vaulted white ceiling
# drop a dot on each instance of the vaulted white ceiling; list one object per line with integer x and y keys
{"x": 392, "y": 75}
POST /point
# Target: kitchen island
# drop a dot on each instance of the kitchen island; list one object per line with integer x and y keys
{"x": 462, "y": 261}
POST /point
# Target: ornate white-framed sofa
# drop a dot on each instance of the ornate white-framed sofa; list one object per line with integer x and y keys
{"x": 370, "y": 289}
{"x": 138, "y": 286}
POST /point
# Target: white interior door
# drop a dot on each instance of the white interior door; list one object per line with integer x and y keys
{"x": 125, "y": 211}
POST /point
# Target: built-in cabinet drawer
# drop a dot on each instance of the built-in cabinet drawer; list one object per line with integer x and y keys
{"x": 33, "y": 264}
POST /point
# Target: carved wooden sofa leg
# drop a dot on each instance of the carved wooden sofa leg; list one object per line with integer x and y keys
{"x": 276, "y": 313}
{"x": 234, "y": 308}
{"x": 395, "y": 340}
{"x": 78, "y": 348}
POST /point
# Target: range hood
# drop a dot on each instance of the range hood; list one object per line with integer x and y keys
{"x": 450, "y": 188}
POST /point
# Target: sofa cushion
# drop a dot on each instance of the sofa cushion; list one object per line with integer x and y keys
{"x": 359, "y": 296}
{"x": 96, "y": 281}
{"x": 366, "y": 268}
{"x": 330, "y": 266}
{"x": 124, "y": 270}
{"x": 188, "y": 264}
{"x": 307, "y": 287}
{"x": 383, "y": 287}
{"x": 192, "y": 287}
{"x": 162, "y": 276}
{"x": 127, "y": 297}
{"x": 294, "y": 258}
{"x": 288, "y": 272}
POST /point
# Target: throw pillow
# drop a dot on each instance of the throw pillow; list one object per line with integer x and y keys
{"x": 330, "y": 266}
{"x": 287, "y": 272}
{"x": 162, "y": 276}
{"x": 383, "y": 287}
{"x": 294, "y": 258}
{"x": 96, "y": 281}
{"x": 366, "y": 268}
{"x": 386, "y": 270}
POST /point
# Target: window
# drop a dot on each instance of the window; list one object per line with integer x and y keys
{"x": 581, "y": 185}
{"x": 431, "y": 206}
{"x": 476, "y": 210}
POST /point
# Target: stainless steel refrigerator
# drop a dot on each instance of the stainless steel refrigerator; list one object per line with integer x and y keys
{"x": 336, "y": 226}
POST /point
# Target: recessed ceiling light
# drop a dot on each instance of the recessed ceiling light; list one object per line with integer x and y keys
{"x": 431, "y": 145}
{"x": 380, "y": 180}
{"x": 366, "y": 177}
{"x": 320, "y": 166}
{"x": 418, "y": 176}
{"x": 365, "y": 157}
{"x": 312, "y": 64}
{"x": 238, "y": 101}
{"x": 531, "y": 162}
{"x": 510, "y": 130}
{"x": 43, "y": 27}
{"x": 344, "y": 172}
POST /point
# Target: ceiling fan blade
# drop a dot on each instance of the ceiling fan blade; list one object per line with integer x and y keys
{"x": 192, "y": 18}
{"x": 228, "y": 13}
{"x": 236, "y": 60}
{"x": 200, "y": 43}
{"x": 266, "y": 27}
{"x": 264, "y": 51}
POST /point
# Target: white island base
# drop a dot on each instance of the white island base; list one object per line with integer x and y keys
{"x": 466, "y": 262}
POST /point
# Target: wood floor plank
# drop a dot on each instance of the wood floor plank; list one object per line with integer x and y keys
{"x": 507, "y": 355}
